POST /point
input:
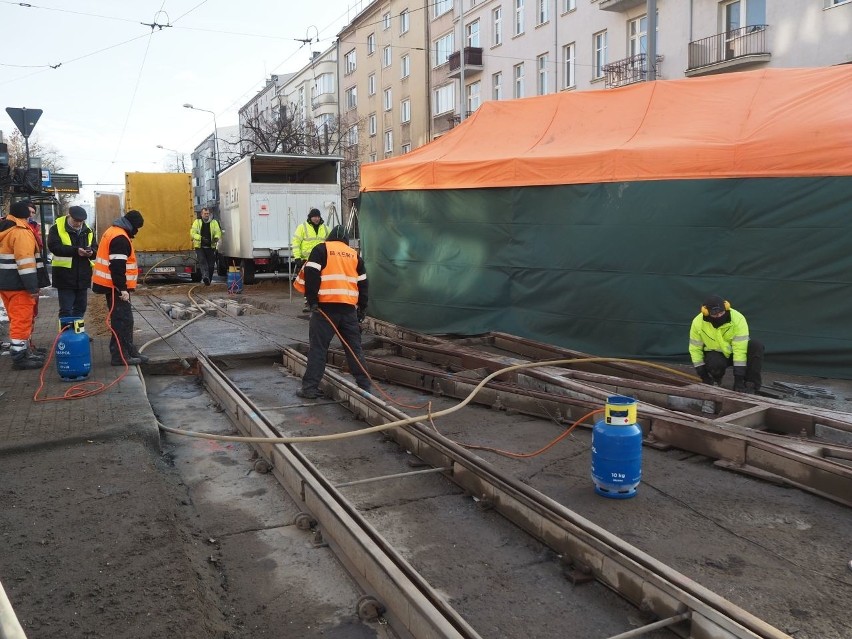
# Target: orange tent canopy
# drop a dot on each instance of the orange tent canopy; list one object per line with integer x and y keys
{"x": 768, "y": 123}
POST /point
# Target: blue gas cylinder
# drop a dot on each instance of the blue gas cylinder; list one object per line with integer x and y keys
{"x": 73, "y": 351}
{"x": 617, "y": 449}
{"x": 235, "y": 280}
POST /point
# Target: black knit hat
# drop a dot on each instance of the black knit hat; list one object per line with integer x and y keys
{"x": 135, "y": 218}
{"x": 714, "y": 304}
{"x": 78, "y": 213}
{"x": 20, "y": 209}
{"x": 338, "y": 233}
{"x": 314, "y": 213}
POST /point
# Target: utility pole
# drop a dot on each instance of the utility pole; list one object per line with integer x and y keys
{"x": 652, "y": 40}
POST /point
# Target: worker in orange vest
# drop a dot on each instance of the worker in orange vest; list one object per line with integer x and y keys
{"x": 334, "y": 282}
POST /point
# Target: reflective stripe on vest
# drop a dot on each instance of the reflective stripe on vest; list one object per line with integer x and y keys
{"x": 62, "y": 231}
{"x": 339, "y": 279}
{"x": 101, "y": 274}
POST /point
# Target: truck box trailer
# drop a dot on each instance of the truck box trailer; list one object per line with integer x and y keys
{"x": 107, "y": 210}
{"x": 263, "y": 198}
{"x": 163, "y": 246}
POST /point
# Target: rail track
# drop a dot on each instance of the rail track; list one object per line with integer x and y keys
{"x": 741, "y": 434}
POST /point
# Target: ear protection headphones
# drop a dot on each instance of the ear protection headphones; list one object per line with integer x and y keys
{"x": 705, "y": 312}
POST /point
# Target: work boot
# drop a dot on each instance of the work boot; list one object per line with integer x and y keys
{"x": 309, "y": 394}
{"x": 22, "y": 360}
{"x": 206, "y": 281}
{"x": 143, "y": 359}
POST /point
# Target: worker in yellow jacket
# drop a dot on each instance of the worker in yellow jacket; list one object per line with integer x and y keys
{"x": 309, "y": 234}
{"x": 205, "y": 233}
{"x": 718, "y": 338}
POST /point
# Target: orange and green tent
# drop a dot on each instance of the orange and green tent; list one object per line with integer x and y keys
{"x": 600, "y": 220}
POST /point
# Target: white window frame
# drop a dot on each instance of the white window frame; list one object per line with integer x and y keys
{"x": 569, "y": 68}
{"x": 518, "y": 23}
{"x": 387, "y": 98}
{"x": 541, "y": 63}
{"x": 473, "y": 96}
{"x": 518, "y": 81}
{"x": 389, "y": 141}
{"x": 371, "y": 84}
{"x": 404, "y": 21}
{"x": 351, "y": 98}
{"x": 569, "y": 5}
{"x": 543, "y": 12}
{"x": 443, "y": 47}
{"x": 441, "y": 7}
{"x": 386, "y": 21}
{"x": 599, "y": 47}
{"x": 352, "y": 135}
{"x": 497, "y": 86}
{"x": 404, "y": 66}
{"x": 444, "y": 99}
{"x": 371, "y": 44}
{"x": 471, "y": 34}
{"x": 637, "y": 35}
{"x": 387, "y": 57}
{"x": 497, "y": 23}
{"x": 373, "y": 157}
{"x": 405, "y": 111}
{"x": 405, "y": 148}
{"x": 324, "y": 84}
{"x": 350, "y": 63}
{"x": 372, "y": 124}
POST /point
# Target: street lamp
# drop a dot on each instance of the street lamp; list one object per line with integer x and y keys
{"x": 178, "y": 155}
{"x": 215, "y": 133}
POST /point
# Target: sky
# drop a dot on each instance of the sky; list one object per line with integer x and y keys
{"x": 112, "y": 86}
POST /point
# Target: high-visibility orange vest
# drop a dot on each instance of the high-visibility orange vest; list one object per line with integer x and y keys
{"x": 101, "y": 274}
{"x": 339, "y": 279}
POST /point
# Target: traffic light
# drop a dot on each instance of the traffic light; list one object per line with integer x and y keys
{"x": 4, "y": 164}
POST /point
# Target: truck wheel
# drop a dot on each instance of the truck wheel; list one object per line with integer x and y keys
{"x": 248, "y": 272}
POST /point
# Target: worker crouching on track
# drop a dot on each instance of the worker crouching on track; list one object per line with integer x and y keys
{"x": 719, "y": 338}
{"x": 115, "y": 275}
{"x": 334, "y": 282}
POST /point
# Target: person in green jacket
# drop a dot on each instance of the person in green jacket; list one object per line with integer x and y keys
{"x": 719, "y": 338}
{"x": 205, "y": 233}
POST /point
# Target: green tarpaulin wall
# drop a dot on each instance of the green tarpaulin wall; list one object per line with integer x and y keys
{"x": 621, "y": 269}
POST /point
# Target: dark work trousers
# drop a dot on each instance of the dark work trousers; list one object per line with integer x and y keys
{"x": 718, "y": 363}
{"x": 206, "y": 261}
{"x": 72, "y": 301}
{"x": 121, "y": 320}
{"x": 321, "y": 333}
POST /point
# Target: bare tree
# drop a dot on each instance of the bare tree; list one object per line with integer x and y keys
{"x": 280, "y": 132}
{"x": 51, "y": 159}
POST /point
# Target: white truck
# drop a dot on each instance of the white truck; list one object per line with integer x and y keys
{"x": 263, "y": 198}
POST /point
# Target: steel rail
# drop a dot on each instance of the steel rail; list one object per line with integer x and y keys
{"x": 639, "y": 578}
{"x": 413, "y": 607}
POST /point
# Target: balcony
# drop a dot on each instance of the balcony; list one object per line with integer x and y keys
{"x": 739, "y": 47}
{"x": 619, "y": 5}
{"x": 629, "y": 70}
{"x": 323, "y": 99}
{"x": 472, "y": 62}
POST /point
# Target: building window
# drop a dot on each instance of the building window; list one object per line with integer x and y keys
{"x": 323, "y": 122}
{"x": 442, "y": 6}
{"x": 371, "y": 44}
{"x": 386, "y": 57}
{"x": 371, "y": 123}
{"x": 386, "y": 21}
{"x": 351, "y": 97}
{"x": 388, "y": 99}
{"x": 743, "y": 13}
{"x": 568, "y": 5}
{"x": 405, "y": 111}
{"x": 371, "y": 84}
{"x": 599, "y": 58}
{"x": 637, "y": 36}
{"x": 472, "y": 34}
{"x": 406, "y": 148}
{"x": 349, "y": 62}
{"x": 443, "y": 47}
{"x": 518, "y": 74}
{"x": 568, "y": 60}
{"x": 405, "y": 66}
{"x": 541, "y": 63}
{"x": 444, "y": 99}
{"x": 473, "y": 96}
{"x": 497, "y": 22}
{"x": 324, "y": 84}
{"x": 351, "y": 137}
{"x": 519, "y": 18}
{"x": 542, "y": 11}
{"x": 373, "y": 157}
{"x": 497, "y": 86}
{"x": 388, "y": 141}
{"x": 404, "y": 21}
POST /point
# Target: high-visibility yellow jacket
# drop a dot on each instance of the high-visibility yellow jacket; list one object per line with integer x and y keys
{"x": 729, "y": 339}
{"x": 306, "y": 238}
{"x": 195, "y": 233}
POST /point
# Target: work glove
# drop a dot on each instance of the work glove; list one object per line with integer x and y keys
{"x": 701, "y": 371}
{"x": 739, "y": 384}
{"x": 362, "y": 314}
